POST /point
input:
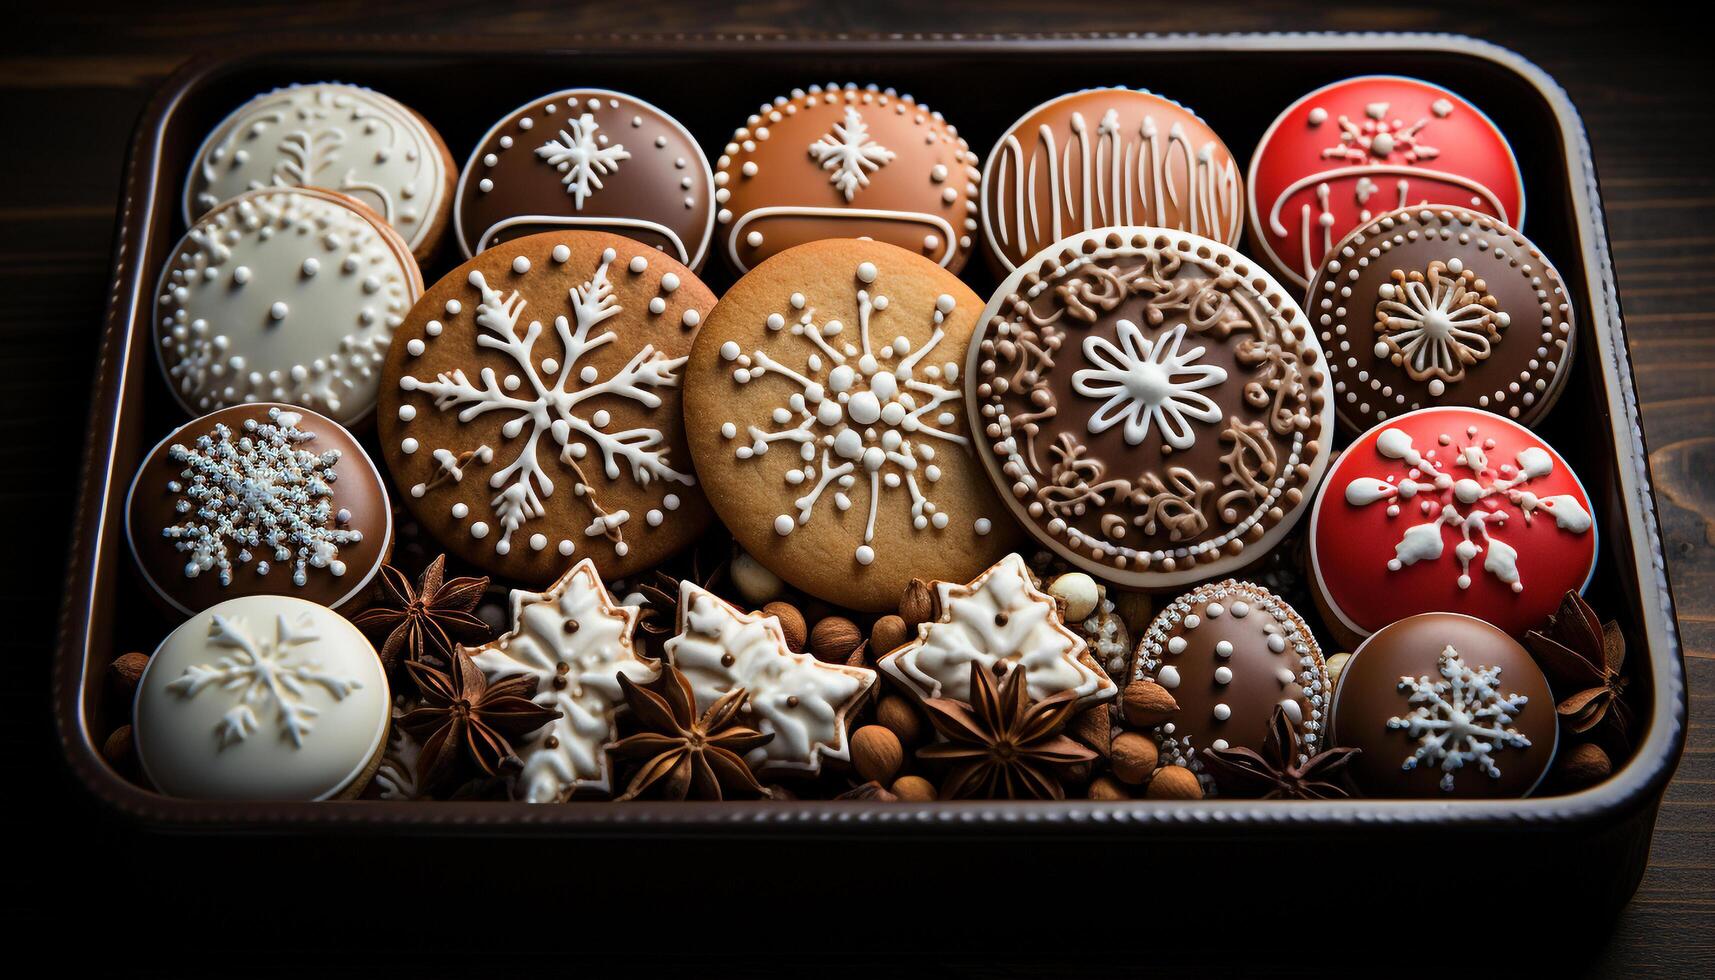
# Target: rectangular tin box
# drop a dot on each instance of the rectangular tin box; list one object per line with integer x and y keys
{"x": 1585, "y": 851}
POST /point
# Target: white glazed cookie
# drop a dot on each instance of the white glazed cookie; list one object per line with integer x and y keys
{"x": 1001, "y": 620}
{"x": 575, "y": 641}
{"x": 804, "y": 703}
{"x": 285, "y": 295}
{"x": 345, "y": 138}
{"x": 262, "y": 698}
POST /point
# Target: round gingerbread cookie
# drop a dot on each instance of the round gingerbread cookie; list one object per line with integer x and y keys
{"x": 840, "y": 161}
{"x": 1442, "y": 706}
{"x": 1450, "y": 510}
{"x": 345, "y": 138}
{"x": 588, "y": 159}
{"x": 530, "y": 406}
{"x": 1228, "y": 653}
{"x": 262, "y": 499}
{"x": 287, "y": 294}
{"x": 1365, "y": 146}
{"x": 822, "y": 407}
{"x": 1441, "y": 306}
{"x": 1102, "y": 158}
{"x": 1153, "y": 406}
{"x": 264, "y": 697}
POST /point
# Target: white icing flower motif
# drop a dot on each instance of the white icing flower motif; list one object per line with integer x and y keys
{"x": 1462, "y": 718}
{"x": 1148, "y": 382}
{"x": 263, "y": 674}
{"x": 581, "y": 158}
{"x": 850, "y": 154}
{"x": 1437, "y": 323}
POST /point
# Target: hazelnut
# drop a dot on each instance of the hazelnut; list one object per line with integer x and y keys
{"x": 914, "y": 789}
{"x": 117, "y": 749}
{"x": 1134, "y": 758}
{"x": 1174, "y": 783}
{"x": 1147, "y": 703}
{"x": 127, "y": 670}
{"x": 791, "y": 623}
{"x": 1336, "y": 664}
{"x": 896, "y": 714}
{"x": 917, "y": 605}
{"x": 888, "y": 634}
{"x": 876, "y": 753}
{"x": 1076, "y": 774}
{"x": 1585, "y": 765}
{"x": 754, "y": 582}
{"x": 1104, "y": 788}
{"x": 833, "y": 639}
{"x": 1078, "y": 594}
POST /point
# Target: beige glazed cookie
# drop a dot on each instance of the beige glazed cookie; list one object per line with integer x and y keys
{"x": 530, "y": 406}
{"x": 825, "y": 414}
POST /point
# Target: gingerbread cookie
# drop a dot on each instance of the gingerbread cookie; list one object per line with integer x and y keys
{"x": 258, "y": 500}
{"x": 530, "y": 411}
{"x": 264, "y": 697}
{"x": 1365, "y": 146}
{"x": 345, "y": 138}
{"x": 1154, "y": 406}
{"x": 1102, "y": 158}
{"x": 847, "y": 162}
{"x": 824, "y": 414}
{"x": 1441, "y": 306}
{"x": 588, "y": 159}
{"x": 284, "y": 294}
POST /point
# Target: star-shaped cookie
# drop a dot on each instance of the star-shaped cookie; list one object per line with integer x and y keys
{"x": 576, "y": 641}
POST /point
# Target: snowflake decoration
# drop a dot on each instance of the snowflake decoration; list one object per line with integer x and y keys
{"x": 1148, "y": 383}
{"x": 1423, "y": 542}
{"x": 850, "y": 154}
{"x": 1437, "y": 324}
{"x": 260, "y": 494}
{"x": 543, "y": 400}
{"x": 581, "y": 158}
{"x": 862, "y": 405}
{"x": 262, "y": 672}
{"x": 1377, "y": 139}
{"x": 1462, "y": 718}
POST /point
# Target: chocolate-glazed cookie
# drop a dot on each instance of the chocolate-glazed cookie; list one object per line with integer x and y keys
{"x": 258, "y": 499}
{"x": 1441, "y": 306}
{"x": 847, "y": 162}
{"x": 592, "y": 159}
{"x": 1445, "y": 705}
{"x": 1151, "y": 404}
{"x": 1107, "y": 157}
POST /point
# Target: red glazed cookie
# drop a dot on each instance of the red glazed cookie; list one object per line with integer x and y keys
{"x": 530, "y": 406}
{"x": 1454, "y": 510}
{"x": 847, "y": 162}
{"x": 590, "y": 159}
{"x": 1365, "y": 146}
{"x": 1445, "y": 306}
{"x": 1107, "y": 157}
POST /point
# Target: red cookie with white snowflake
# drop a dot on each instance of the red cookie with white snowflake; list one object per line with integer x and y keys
{"x": 1365, "y": 146}
{"x": 1449, "y": 510}
{"x": 530, "y": 406}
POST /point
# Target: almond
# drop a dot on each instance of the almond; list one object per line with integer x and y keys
{"x": 1104, "y": 788}
{"x": 1094, "y": 728}
{"x": 1335, "y": 664}
{"x": 914, "y": 789}
{"x": 834, "y": 638}
{"x": 1174, "y": 783}
{"x": 791, "y": 623}
{"x": 127, "y": 670}
{"x": 876, "y": 753}
{"x": 1134, "y": 758}
{"x": 898, "y": 716}
{"x": 888, "y": 634}
{"x": 753, "y": 581}
{"x": 1147, "y": 703}
{"x": 1585, "y": 765}
{"x": 917, "y": 605}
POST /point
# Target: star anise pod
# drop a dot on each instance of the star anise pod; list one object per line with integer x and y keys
{"x": 1274, "y": 773}
{"x": 1001, "y": 744}
{"x": 686, "y": 755}
{"x": 424, "y": 622}
{"x": 1583, "y": 658}
{"x": 463, "y": 716}
{"x": 660, "y": 612}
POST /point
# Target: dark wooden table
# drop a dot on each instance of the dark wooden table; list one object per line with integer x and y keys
{"x": 72, "y": 82}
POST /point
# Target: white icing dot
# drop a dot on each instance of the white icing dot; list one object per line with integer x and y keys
{"x": 657, "y": 306}
{"x": 691, "y": 318}
{"x": 521, "y": 264}
{"x": 538, "y": 542}
{"x": 461, "y": 510}
{"x": 754, "y": 239}
{"x": 408, "y": 446}
{"x": 479, "y": 530}
{"x": 278, "y": 311}
{"x": 1224, "y": 648}
{"x": 983, "y": 525}
{"x": 566, "y": 547}
{"x": 865, "y": 554}
{"x": 560, "y": 254}
{"x": 784, "y": 524}
{"x": 866, "y": 272}
{"x": 414, "y": 347}
{"x": 1222, "y": 712}
{"x": 669, "y": 282}
{"x": 407, "y": 413}
{"x": 638, "y": 264}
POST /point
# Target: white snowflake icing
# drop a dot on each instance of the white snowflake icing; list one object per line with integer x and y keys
{"x": 1148, "y": 382}
{"x": 259, "y": 494}
{"x": 1460, "y": 719}
{"x": 1423, "y": 542}
{"x": 1417, "y": 320}
{"x": 581, "y": 156}
{"x": 849, "y": 153}
{"x": 575, "y": 641}
{"x": 264, "y": 676}
{"x": 865, "y": 408}
{"x": 802, "y": 701}
{"x": 544, "y": 398}
{"x": 1377, "y": 138}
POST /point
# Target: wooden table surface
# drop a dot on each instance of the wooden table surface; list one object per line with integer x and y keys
{"x": 72, "y": 82}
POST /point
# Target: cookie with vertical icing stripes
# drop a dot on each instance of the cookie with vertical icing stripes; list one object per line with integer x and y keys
{"x": 530, "y": 409}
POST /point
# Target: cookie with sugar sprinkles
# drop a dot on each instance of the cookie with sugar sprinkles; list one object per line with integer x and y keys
{"x": 530, "y": 409}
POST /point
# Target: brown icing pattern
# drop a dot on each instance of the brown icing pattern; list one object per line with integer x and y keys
{"x": 1154, "y": 405}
